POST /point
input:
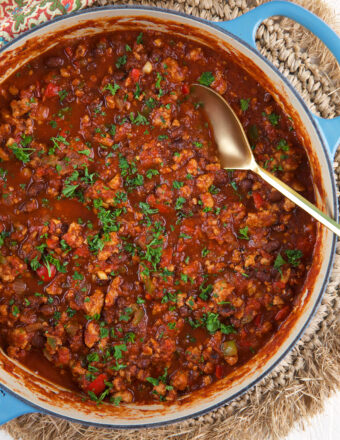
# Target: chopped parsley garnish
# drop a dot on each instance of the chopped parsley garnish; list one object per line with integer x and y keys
{"x": 35, "y": 263}
{"x": 185, "y": 236}
{"x": 213, "y": 324}
{"x": 151, "y": 103}
{"x": 146, "y": 209}
{"x": 151, "y": 172}
{"x": 113, "y": 89}
{"x": 108, "y": 219}
{"x": 159, "y": 79}
{"x": 205, "y": 291}
{"x": 121, "y": 61}
{"x": 233, "y": 184}
{"x": 128, "y": 311}
{"x": 243, "y": 233}
{"x": 206, "y": 79}
{"x": 69, "y": 190}
{"x": 177, "y": 185}
{"x": 3, "y": 235}
{"x": 154, "y": 249}
{"x": 3, "y": 173}
{"x": 213, "y": 189}
{"x": 49, "y": 259}
{"x": 56, "y": 140}
{"x": 85, "y": 152}
{"x": 139, "y": 119}
{"x": 273, "y": 118}
{"x": 179, "y": 203}
{"x": 205, "y": 252}
{"x": 118, "y": 349}
{"x": 95, "y": 243}
{"x": 70, "y": 312}
{"x": 62, "y": 95}
{"x": 279, "y": 261}
{"x": 294, "y": 256}
{"x": 21, "y": 153}
{"x": 244, "y": 103}
{"x": 15, "y": 310}
{"x": 282, "y": 145}
{"x": 26, "y": 140}
{"x": 78, "y": 276}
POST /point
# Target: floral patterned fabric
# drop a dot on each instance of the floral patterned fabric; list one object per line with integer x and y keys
{"x": 16, "y": 16}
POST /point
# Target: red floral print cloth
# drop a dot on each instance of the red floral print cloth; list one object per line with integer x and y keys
{"x": 16, "y": 16}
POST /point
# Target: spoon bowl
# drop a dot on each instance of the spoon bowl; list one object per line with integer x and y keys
{"x": 235, "y": 151}
{"x": 233, "y": 146}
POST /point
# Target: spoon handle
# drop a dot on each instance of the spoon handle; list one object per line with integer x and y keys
{"x": 298, "y": 200}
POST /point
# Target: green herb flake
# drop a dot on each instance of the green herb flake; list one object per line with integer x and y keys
{"x": 282, "y": 145}
{"x": 294, "y": 256}
{"x": 279, "y": 261}
{"x": 121, "y": 61}
{"x": 113, "y": 89}
{"x": 206, "y": 79}
{"x": 244, "y": 103}
{"x": 21, "y": 153}
{"x": 243, "y": 233}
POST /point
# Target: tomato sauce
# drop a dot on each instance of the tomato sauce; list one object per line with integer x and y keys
{"x": 133, "y": 268}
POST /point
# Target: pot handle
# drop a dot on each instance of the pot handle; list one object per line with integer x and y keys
{"x": 11, "y": 407}
{"x": 245, "y": 28}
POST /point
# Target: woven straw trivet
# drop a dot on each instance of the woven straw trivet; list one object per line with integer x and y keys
{"x": 298, "y": 387}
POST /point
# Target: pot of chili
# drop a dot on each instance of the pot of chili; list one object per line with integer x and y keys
{"x": 140, "y": 283}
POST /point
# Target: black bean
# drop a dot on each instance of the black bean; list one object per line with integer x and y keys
{"x": 47, "y": 309}
{"x": 262, "y": 276}
{"x": 221, "y": 177}
{"x": 64, "y": 228}
{"x": 29, "y": 206}
{"x": 271, "y": 246}
{"x": 100, "y": 282}
{"x": 275, "y": 196}
{"x": 176, "y": 134}
{"x": 35, "y": 188}
{"x": 38, "y": 341}
{"x": 54, "y": 62}
{"x": 184, "y": 311}
{"x": 144, "y": 363}
{"x": 246, "y": 184}
{"x": 267, "y": 97}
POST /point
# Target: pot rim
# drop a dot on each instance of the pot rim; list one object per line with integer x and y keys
{"x": 196, "y": 21}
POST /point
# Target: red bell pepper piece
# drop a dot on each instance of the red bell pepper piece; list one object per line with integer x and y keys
{"x": 69, "y": 51}
{"x": 258, "y": 200}
{"x": 257, "y": 320}
{"x": 135, "y": 74}
{"x": 279, "y": 285}
{"x": 163, "y": 209}
{"x": 51, "y": 90}
{"x": 219, "y": 372}
{"x": 97, "y": 386}
{"x": 47, "y": 274}
{"x": 282, "y": 314}
{"x": 185, "y": 89}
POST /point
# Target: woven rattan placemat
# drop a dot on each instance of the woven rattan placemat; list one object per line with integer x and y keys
{"x": 297, "y": 388}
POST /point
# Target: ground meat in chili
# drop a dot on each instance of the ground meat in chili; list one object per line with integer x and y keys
{"x": 131, "y": 264}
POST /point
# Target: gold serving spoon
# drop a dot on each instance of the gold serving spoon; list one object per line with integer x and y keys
{"x": 235, "y": 152}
